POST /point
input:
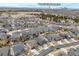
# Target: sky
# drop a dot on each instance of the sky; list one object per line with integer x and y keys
{"x": 35, "y": 5}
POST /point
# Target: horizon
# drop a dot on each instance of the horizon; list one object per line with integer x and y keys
{"x": 36, "y": 5}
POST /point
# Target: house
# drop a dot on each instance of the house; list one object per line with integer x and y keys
{"x": 65, "y": 36}
{"x": 18, "y": 49}
{"x": 32, "y": 31}
{"x": 7, "y": 26}
{"x": 26, "y": 35}
{"x": 15, "y": 36}
{"x": 49, "y": 37}
{"x": 32, "y": 43}
{"x": 5, "y": 51}
{"x": 72, "y": 52}
{"x": 52, "y": 37}
{"x": 3, "y": 35}
{"x": 41, "y": 40}
{"x": 77, "y": 33}
{"x": 3, "y": 30}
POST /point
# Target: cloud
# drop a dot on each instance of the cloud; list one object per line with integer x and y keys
{"x": 35, "y": 5}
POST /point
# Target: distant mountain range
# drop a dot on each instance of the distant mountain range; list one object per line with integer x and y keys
{"x": 38, "y": 9}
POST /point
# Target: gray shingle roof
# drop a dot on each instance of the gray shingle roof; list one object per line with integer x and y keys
{"x": 32, "y": 43}
{"x": 41, "y": 40}
{"x": 5, "y": 51}
{"x": 18, "y": 49}
{"x": 51, "y": 37}
{"x": 15, "y": 35}
{"x": 3, "y": 36}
